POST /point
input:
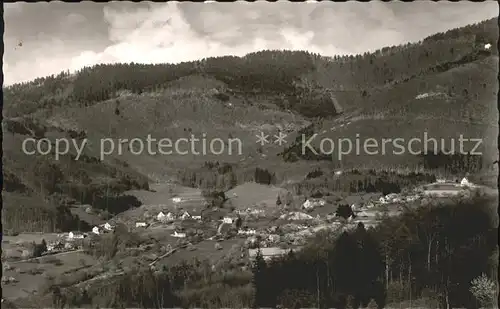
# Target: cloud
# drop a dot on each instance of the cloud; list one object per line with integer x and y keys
{"x": 175, "y": 32}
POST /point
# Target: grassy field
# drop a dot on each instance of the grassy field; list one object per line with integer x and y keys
{"x": 32, "y": 276}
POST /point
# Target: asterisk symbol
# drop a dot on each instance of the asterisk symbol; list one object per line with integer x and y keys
{"x": 262, "y": 138}
{"x": 280, "y": 139}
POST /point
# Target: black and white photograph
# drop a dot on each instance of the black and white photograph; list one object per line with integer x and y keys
{"x": 333, "y": 155}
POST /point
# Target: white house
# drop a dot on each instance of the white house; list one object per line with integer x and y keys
{"x": 75, "y": 235}
{"x": 235, "y": 195}
{"x": 96, "y": 230}
{"x": 176, "y": 199}
{"x": 307, "y": 204}
{"x": 247, "y": 232}
{"x": 185, "y": 215}
{"x": 391, "y": 197}
{"x": 178, "y": 235}
{"x": 412, "y": 198}
{"x": 161, "y": 216}
{"x": 487, "y": 46}
{"x": 227, "y": 220}
{"x": 106, "y": 227}
{"x": 382, "y": 200}
{"x": 338, "y": 172}
{"x": 169, "y": 216}
{"x": 310, "y": 203}
{"x": 140, "y": 224}
{"x": 196, "y": 218}
{"x": 397, "y": 200}
{"x": 465, "y": 182}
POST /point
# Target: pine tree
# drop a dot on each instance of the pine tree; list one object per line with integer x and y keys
{"x": 259, "y": 280}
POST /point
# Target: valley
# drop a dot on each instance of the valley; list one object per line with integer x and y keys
{"x": 230, "y": 229}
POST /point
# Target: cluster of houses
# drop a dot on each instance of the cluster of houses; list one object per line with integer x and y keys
{"x": 170, "y": 217}
{"x": 250, "y": 212}
{"x": 310, "y": 204}
{"x": 443, "y": 188}
{"x": 296, "y": 216}
{"x": 247, "y": 232}
{"x": 161, "y": 216}
{"x": 103, "y": 228}
{"x": 69, "y": 241}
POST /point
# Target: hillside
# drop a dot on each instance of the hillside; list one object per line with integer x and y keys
{"x": 444, "y": 85}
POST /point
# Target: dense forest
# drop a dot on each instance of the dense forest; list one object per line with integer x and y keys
{"x": 430, "y": 252}
{"x": 299, "y": 78}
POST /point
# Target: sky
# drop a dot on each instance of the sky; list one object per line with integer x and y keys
{"x": 46, "y": 38}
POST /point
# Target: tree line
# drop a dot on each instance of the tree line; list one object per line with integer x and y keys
{"x": 275, "y": 72}
{"x": 430, "y": 254}
{"x": 436, "y": 256}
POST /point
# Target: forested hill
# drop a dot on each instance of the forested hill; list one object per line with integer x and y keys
{"x": 298, "y": 80}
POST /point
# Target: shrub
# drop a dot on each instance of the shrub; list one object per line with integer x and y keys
{"x": 484, "y": 290}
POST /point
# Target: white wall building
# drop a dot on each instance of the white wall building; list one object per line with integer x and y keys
{"x": 465, "y": 182}
{"x": 75, "y": 235}
{"x": 96, "y": 230}
{"x": 161, "y": 216}
{"x": 178, "y": 235}
{"x": 170, "y": 216}
{"x": 140, "y": 224}
{"x": 247, "y": 232}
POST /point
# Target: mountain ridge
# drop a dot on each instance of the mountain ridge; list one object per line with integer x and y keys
{"x": 397, "y": 91}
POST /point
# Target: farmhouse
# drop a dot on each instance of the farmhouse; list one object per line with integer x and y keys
{"x": 227, "y": 220}
{"x": 465, "y": 182}
{"x": 96, "y": 230}
{"x": 185, "y": 215}
{"x": 313, "y": 203}
{"x": 178, "y": 235}
{"x": 296, "y": 216}
{"x": 176, "y": 199}
{"x": 76, "y": 235}
{"x": 140, "y": 224}
{"x": 108, "y": 227}
{"x": 247, "y": 232}
{"x": 161, "y": 216}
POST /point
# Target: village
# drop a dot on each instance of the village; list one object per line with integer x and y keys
{"x": 274, "y": 231}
